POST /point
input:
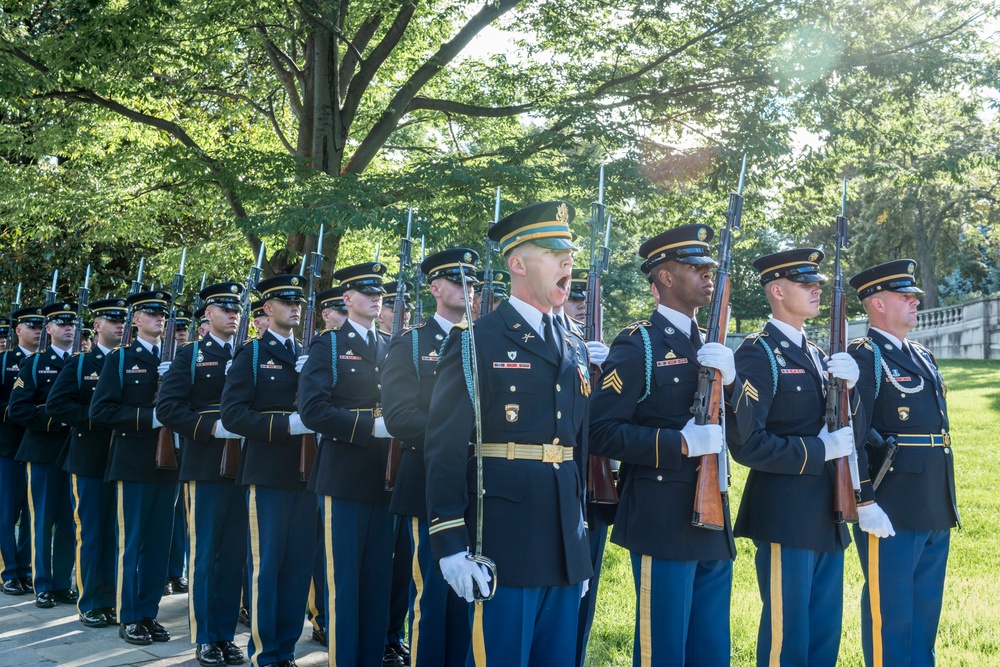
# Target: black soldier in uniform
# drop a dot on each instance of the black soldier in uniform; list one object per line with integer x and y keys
{"x": 86, "y": 462}
{"x": 188, "y": 404}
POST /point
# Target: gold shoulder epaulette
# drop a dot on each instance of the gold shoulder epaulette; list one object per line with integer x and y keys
{"x": 632, "y": 328}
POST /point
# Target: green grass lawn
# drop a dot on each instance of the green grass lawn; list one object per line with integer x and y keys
{"x": 970, "y": 622}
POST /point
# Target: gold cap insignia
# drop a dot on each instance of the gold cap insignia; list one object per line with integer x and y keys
{"x": 66, "y": 306}
{"x": 813, "y": 257}
{"x": 702, "y": 234}
{"x": 234, "y": 289}
{"x": 910, "y": 269}
{"x": 562, "y": 213}
{"x": 377, "y": 268}
{"x": 295, "y": 281}
{"x": 121, "y": 304}
{"x": 467, "y": 257}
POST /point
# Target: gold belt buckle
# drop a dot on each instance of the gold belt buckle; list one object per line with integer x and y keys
{"x": 946, "y": 439}
{"x": 552, "y": 454}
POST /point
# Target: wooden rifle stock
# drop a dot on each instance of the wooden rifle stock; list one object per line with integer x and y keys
{"x": 392, "y": 463}
{"x": 230, "y": 463}
{"x": 307, "y": 454}
{"x": 166, "y": 456}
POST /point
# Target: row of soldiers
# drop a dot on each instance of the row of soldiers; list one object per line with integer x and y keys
{"x": 496, "y": 418}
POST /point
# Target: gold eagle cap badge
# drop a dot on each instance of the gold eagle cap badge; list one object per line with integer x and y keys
{"x": 562, "y": 213}
{"x": 813, "y": 256}
{"x": 702, "y": 233}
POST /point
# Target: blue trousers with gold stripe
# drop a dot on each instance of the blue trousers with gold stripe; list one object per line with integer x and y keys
{"x": 145, "y": 523}
{"x": 282, "y": 539}
{"x": 901, "y": 599}
{"x": 15, "y": 541}
{"x": 52, "y": 528}
{"x": 525, "y": 627}
{"x": 598, "y": 536}
{"x": 803, "y": 596}
{"x": 178, "y": 541}
{"x": 358, "y": 541}
{"x": 94, "y": 515}
{"x": 217, "y": 550}
{"x": 400, "y": 592}
{"x": 440, "y": 633}
{"x": 682, "y": 612}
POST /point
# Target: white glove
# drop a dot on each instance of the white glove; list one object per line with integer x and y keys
{"x": 228, "y": 364}
{"x": 295, "y": 425}
{"x": 598, "y": 352}
{"x": 162, "y": 368}
{"x": 380, "y": 430}
{"x": 843, "y": 367}
{"x": 702, "y": 440}
{"x": 719, "y": 357}
{"x": 838, "y": 444}
{"x": 586, "y": 587}
{"x": 300, "y": 362}
{"x": 156, "y": 422}
{"x": 872, "y": 519}
{"x": 460, "y": 572}
{"x": 221, "y": 433}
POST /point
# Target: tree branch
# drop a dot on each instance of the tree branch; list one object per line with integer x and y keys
{"x": 288, "y": 73}
{"x": 462, "y": 109}
{"x": 354, "y": 56}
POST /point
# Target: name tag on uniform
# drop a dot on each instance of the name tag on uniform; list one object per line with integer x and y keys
{"x": 897, "y": 378}
{"x": 271, "y": 367}
{"x": 135, "y": 370}
{"x": 48, "y": 370}
{"x": 503, "y": 364}
{"x": 671, "y": 362}
{"x": 349, "y": 357}
{"x": 429, "y": 358}
{"x": 208, "y": 363}
{"x": 793, "y": 370}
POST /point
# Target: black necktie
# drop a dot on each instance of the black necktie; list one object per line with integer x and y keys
{"x": 695, "y": 336}
{"x": 290, "y": 346}
{"x": 371, "y": 341}
{"x": 156, "y": 351}
{"x": 550, "y": 334}
{"x": 228, "y": 347}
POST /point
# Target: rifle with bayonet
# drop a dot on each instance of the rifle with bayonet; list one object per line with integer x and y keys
{"x": 50, "y": 298}
{"x": 712, "y": 486}
{"x": 398, "y": 313}
{"x": 600, "y": 469}
{"x": 307, "y": 450}
{"x": 838, "y": 400}
{"x": 418, "y": 283}
{"x": 14, "y": 307}
{"x": 81, "y": 303}
{"x": 133, "y": 290}
{"x": 166, "y": 451}
{"x": 196, "y": 306}
{"x": 486, "y": 291}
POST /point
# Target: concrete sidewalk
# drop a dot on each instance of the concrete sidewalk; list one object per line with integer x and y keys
{"x": 31, "y": 636}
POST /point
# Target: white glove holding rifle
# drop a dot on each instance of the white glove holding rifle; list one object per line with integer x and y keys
{"x": 460, "y": 572}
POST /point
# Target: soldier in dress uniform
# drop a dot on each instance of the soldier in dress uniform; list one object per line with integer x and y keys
{"x": 125, "y": 400}
{"x": 4, "y": 333}
{"x": 498, "y": 290}
{"x": 533, "y": 393}
{"x": 259, "y": 403}
{"x": 203, "y": 324}
{"x": 439, "y": 625}
{"x": 86, "y": 461}
{"x": 389, "y": 303}
{"x": 188, "y": 404}
{"x": 41, "y": 448}
{"x": 182, "y": 328}
{"x": 332, "y": 308}
{"x": 904, "y": 523}
{"x": 641, "y": 415}
{"x": 260, "y": 317}
{"x": 86, "y": 337}
{"x": 787, "y": 506}
{"x": 15, "y": 542}
{"x": 341, "y": 399}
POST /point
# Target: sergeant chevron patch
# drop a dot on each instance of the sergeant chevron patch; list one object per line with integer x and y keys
{"x": 612, "y": 381}
{"x": 749, "y": 391}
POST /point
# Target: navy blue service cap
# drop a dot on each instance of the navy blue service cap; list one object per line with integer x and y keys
{"x": 183, "y": 319}
{"x": 578, "y": 283}
{"x": 257, "y": 308}
{"x": 60, "y": 312}
{"x": 451, "y": 264}
{"x": 156, "y": 302}
{"x": 894, "y": 276}
{"x": 390, "y": 292}
{"x": 4, "y": 326}
{"x": 365, "y": 278}
{"x": 332, "y": 298}
{"x": 687, "y": 244}
{"x": 500, "y": 280}
{"x": 87, "y": 330}
{"x": 286, "y": 287}
{"x": 227, "y": 295}
{"x": 200, "y": 316}
{"x": 30, "y": 315}
{"x": 114, "y": 310}
{"x": 545, "y": 224}
{"x": 800, "y": 265}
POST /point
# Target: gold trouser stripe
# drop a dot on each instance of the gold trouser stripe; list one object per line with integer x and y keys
{"x": 478, "y": 639}
{"x": 777, "y": 619}
{"x": 79, "y": 541}
{"x": 190, "y": 491}
{"x": 645, "y": 609}
{"x": 331, "y": 586}
{"x": 36, "y": 565}
{"x": 875, "y": 600}
{"x": 255, "y": 579}
{"x": 121, "y": 548}
{"x": 418, "y": 583}
{"x": 311, "y": 604}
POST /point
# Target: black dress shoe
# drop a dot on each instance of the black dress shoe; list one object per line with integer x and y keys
{"x": 168, "y": 588}
{"x": 14, "y": 587}
{"x": 391, "y": 659}
{"x": 157, "y": 632}
{"x": 66, "y": 595}
{"x": 45, "y": 600}
{"x": 111, "y": 615}
{"x": 209, "y": 655}
{"x": 245, "y": 616}
{"x": 29, "y": 584}
{"x": 231, "y": 652}
{"x": 180, "y": 584}
{"x": 94, "y": 618}
{"x": 401, "y": 649}
{"x": 319, "y": 636}
{"x": 135, "y": 633}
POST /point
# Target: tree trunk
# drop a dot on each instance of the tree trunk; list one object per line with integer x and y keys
{"x": 925, "y": 254}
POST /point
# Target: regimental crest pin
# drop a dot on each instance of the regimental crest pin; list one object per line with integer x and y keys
{"x": 670, "y": 355}
{"x": 895, "y": 372}
{"x": 511, "y": 410}
{"x": 669, "y": 330}
{"x": 904, "y": 414}
{"x": 784, "y": 343}
{"x": 350, "y": 334}
{"x": 512, "y": 354}
{"x": 439, "y": 337}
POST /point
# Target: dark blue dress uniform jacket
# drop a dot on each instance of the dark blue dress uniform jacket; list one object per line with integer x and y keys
{"x": 533, "y": 526}
{"x": 44, "y": 437}
{"x": 10, "y": 432}
{"x": 188, "y": 404}
{"x": 256, "y": 403}
{"x": 658, "y": 482}
{"x": 918, "y": 492}
{"x": 123, "y": 401}
{"x": 788, "y": 497}
{"x": 406, "y": 402}
{"x": 69, "y": 402}
{"x": 350, "y": 463}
